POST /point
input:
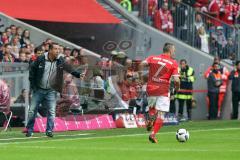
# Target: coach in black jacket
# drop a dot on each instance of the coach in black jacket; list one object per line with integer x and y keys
{"x": 46, "y": 77}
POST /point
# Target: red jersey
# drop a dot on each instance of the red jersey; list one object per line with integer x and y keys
{"x": 152, "y": 4}
{"x": 227, "y": 13}
{"x": 214, "y": 7}
{"x": 161, "y": 68}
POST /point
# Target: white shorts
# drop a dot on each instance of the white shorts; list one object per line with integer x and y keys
{"x": 161, "y": 103}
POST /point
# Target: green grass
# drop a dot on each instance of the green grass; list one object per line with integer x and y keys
{"x": 209, "y": 140}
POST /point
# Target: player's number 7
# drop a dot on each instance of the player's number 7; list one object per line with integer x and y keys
{"x": 162, "y": 65}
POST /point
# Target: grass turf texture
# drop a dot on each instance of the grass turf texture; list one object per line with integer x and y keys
{"x": 213, "y": 140}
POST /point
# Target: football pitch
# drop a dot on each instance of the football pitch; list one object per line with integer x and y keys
{"x": 209, "y": 140}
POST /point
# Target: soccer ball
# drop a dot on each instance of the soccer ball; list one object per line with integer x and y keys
{"x": 182, "y": 135}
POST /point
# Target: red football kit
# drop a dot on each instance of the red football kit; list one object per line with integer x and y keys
{"x": 161, "y": 68}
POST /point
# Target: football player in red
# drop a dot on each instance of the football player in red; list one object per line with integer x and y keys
{"x": 161, "y": 68}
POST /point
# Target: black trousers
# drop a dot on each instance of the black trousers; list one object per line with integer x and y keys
{"x": 172, "y": 106}
{"x": 213, "y": 105}
{"x": 235, "y": 101}
{"x": 189, "y": 107}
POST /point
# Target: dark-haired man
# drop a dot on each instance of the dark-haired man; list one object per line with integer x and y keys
{"x": 161, "y": 69}
{"x": 46, "y": 77}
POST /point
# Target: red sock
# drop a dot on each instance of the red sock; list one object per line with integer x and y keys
{"x": 157, "y": 125}
{"x": 152, "y": 111}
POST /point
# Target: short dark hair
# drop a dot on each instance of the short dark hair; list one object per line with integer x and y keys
{"x": 167, "y": 46}
{"x": 215, "y": 64}
{"x": 183, "y": 60}
{"x": 37, "y": 49}
{"x": 237, "y": 62}
{"x": 51, "y": 45}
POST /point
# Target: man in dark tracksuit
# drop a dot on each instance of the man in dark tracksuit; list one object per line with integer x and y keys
{"x": 46, "y": 77}
{"x": 235, "y": 78}
{"x": 214, "y": 82}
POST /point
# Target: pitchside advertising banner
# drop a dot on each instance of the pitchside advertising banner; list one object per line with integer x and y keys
{"x": 94, "y": 122}
{"x": 77, "y": 122}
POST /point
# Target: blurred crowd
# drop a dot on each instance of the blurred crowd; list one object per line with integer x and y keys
{"x": 209, "y": 25}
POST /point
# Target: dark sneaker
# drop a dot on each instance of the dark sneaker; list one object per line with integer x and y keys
{"x": 153, "y": 139}
{"x": 29, "y": 134}
{"x": 49, "y": 134}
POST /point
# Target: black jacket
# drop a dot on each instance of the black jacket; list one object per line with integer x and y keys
{"x": 213, "y": 83}
{"x": 235, "y": 77}
{"x": 36, "y": 71}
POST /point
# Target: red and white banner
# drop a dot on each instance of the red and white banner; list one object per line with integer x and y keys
{"x": 140, "y": 119}
{"x": 77, "y": 122}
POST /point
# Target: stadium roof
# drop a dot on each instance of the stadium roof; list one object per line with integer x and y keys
{"x": 72, "y": 11}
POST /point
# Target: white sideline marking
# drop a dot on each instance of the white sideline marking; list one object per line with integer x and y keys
{"x": 125, "y": 149}
{"x": 70, "y": 135}
{"x": 100, "y": 137}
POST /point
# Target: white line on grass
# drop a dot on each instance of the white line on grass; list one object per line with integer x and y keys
{"x": 134, "y": 149}
{"x": 102, "y": 137}
{"x": 70, "y": 135}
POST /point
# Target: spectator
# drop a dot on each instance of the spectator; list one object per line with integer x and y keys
{"x": 152, "y": 8}
{"x": 214, "y": 83}
{"x": 31, "y": 47}
{"x": 97, "y": 80}
{"x": 44, "y": 83}
{"x": 22, "y": 57}
{"x": 230, "y": 50}
{"x": 49, "y": 41}
{"x": 214, "y": 11}
{"x": 235, "y": 78}
{"x": 19, "y": 31}
{"x": 200, "y": 4}
{"x": 220, "y": 41}
{"x": 202, "y": 39}
{"x": 128, "y": 91}
{"x": 9, "y": 34}
{"x": 227, "y": 12}
{"x": 5, "y": 97}
{"x": 76, "y": 55}
{"x": 13, "y": 30}
{"x": 61, "y": 50}
{"x": 37, "y": 52}
{"x": 67, "y": 52}
{"x": 69, "y": 96}
{"x": 15, "y": 46}
{"x": 25, "y": 38}
{"x": 46, "y": 46}
{"x": 7, "y": 56}
{"x": 4, "y": 38}
{"x": 28, "y": 57}
{"x": 198, "y": 21}
{"x": 22, "y": 97}
{"x": 163, "y": 19}
{"x": 180, "y": 14}
{"x": 135, "y": 5}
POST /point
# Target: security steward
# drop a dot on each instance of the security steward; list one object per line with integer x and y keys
{"x": 185, "y": 93}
